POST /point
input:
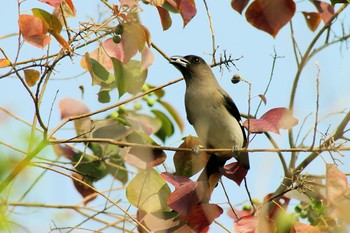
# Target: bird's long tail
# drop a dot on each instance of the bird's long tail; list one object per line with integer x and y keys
{"x": 210, "y": 177}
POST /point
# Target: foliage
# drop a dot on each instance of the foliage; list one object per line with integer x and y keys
{"x": 127, "y": 143}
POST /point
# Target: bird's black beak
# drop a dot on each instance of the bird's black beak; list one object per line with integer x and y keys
{"x": 179, "y": 62}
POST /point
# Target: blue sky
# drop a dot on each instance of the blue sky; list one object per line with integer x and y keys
{"x": 232, "y": 34}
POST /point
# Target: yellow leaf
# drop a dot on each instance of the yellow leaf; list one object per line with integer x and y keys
{"x": 4, "y": 63}
{"x": 31, "y": 76}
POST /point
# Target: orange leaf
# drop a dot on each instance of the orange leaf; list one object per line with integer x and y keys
{"x": 133, "y": 39}
{"x": 33, "y": 30}
{"x": 4, "y": 63}
{"x": 313, "y": 19}
{"x": 31, "y": 76}
{"x": 270, "y": 15}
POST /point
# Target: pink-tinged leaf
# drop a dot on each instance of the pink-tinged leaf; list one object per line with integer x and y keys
{"x": 54, "y": 3}
{"x": 71, "y": 107}
{"x": 85, "y": 191}
{"x": 313, "y": 19}
{"x": 263, "y": 98}
{"x": 104, "y": 53}
{"x": 147, "y": 58}
{"x": 202, "y": 216}
{"x": 239, "y": 5}
{"x": 184, "y": 198}
{"x": 325, "y": 9}
{"x": 234, "y": 171}
{"x": 336, "y": 183}
{"x": 240, "y": 214}
{"x": 144, "y": 158}
{"x": 177, "y": 181}
{"x": 187, "y": 10}
{"x": 270, "y": 15}
{"x": 65, "y": 151}
{"x": 246, "y": 225}
{"x": 164, "y": 17}
{"x": 299, "y": 227}
{"x": 33, "y": 30}
{"x": 272, "y": 121}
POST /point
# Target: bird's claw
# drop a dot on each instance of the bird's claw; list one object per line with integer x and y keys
{"x": 195, "y": 149}
{"x": 235, "y": 151}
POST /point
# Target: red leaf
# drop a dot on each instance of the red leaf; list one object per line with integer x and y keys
{"x": 325, "y": 9}
{"x": 272, "y": 121}
{"x": 202, "y": 216}
{"x": 33, "y": 30}
{"x": 270, "y": 15}
{"x": 336, "y": 183}
{"x": 299, "y": 227}
{"x": 164, "y": 17}
{"x": 85, "y": 191}
{"x": 184, "y": 198}
{"x": 234, "y": 171}
{"x": 239, "y": 5}
{"x": 177, "y": 181}
{"x": 187, "y": 10}
{"x": 71, "y": 107}
{"x": 313, "y": 19}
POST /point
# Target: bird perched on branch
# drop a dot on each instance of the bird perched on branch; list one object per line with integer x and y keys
{"x": 213, "y": 115}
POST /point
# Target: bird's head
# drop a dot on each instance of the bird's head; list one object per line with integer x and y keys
{"x": 191, "y": 67}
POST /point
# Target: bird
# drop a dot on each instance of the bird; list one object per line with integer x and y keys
{"x": 214, "y": 116}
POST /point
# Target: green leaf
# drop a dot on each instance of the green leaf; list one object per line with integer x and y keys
{"x": 103, "y": 96}
{"x": 167, "y": 128}
{"x": 52, "y": 22}
{"x": 114, "y": 131}
{"x": 91, "y": 168}
{"x": 339, "y": 1}
{"x": 174, "y": 114}
{"x": 134, "y": 76}
{"x": 115, "y": 165}
{"x": 100, "y": 74}
{"x": 148, "y": 191}
{"x": 118, "y": 68}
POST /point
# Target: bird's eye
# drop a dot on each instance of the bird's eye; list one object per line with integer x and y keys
{"x": 196, "y": 60}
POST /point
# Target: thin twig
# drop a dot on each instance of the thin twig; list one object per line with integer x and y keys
{"x": 317, "y": 106}
{"x": 211, "y": 31}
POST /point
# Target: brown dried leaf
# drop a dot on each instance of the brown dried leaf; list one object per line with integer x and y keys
{"x": 31, "y": 76}
{"x": 85, "y": 191}
{"x": 188, "y": 163}
{"x": 313, "y": 19}
{"x": 239, "y": 5}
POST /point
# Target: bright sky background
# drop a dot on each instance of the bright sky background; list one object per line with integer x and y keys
{"x": 233, "y": 34}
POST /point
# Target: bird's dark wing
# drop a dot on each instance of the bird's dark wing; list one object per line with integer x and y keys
{"x": 233, "y": 110}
